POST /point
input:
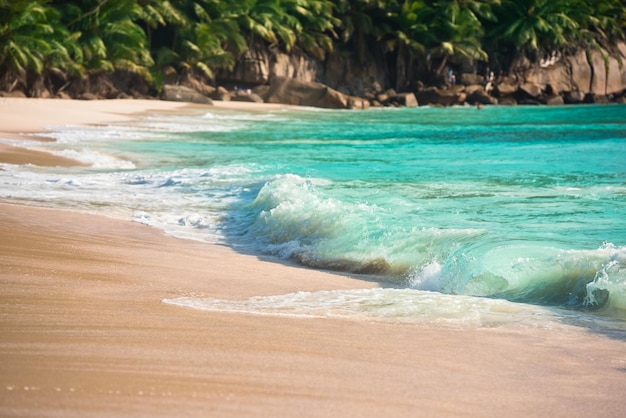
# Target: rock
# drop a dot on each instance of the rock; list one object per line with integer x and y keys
{"x": 407, "y": 99}
{"x": 621, "y": 46}
{"x": 529, "y": 102}
{"x": 531, "y": 90}
{"x": 241, "y": 96}
{"x": 221, "y": 94}
{"x": 358, "y": 103}
{"x": 469, "y": 79}
{"x": 481, "y": 97}
{"x": 294, "y": 65}
{"x": 128, "y": 82}
{"x": 183, "y": 94}
{"x": 598, "y": 79}
{"x": 88, "y": 96}
{"x": 507, "y": 101}
{"x": 170, "y": 76}
{"x": 382, "y": 98}
{"x": 386, "y": 96}
{"x": 472, "y": 88}
{"x": 305, "y": 93}
{"x": 555, "y": 100}
{"x": 620, "y": 99}
{"x": 261, "y": 91}
{"x": 614, "y": 77}
{"x": 356, "y": 73}
{"x": 557, "y": 76}
{"x": 574, "y": 97}
{"x": 505, "y": 89}
{"x": 439, "y": 97}
{"x": 253, "y": 67}
{"x": 14, "y": 93}
{"x": 595, "y": 99}
{"x": 580, "y": 72}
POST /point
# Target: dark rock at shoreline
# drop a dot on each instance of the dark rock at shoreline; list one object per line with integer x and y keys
{"x": 439, "y": 97}
{"x": 222, "y": 94}
{"x": 481, "y": 97}
{"x": 305, "y": 93}
{"x": 358, "y": 103}
{"x": 507, "y": 101}
{"x": 529, "y": 102}
{"x": 505, "y": 90}
{"x": 591, "y": 98}
{"x": 530, "y": 91}
{"x": 407, "y": 100}
{"x": 554, "y": 100}
{"x": 574, "y": 97}
{"x": 384, "y": 97}
{"x": 240, "y": 96}
{"x": 183, "y": 94}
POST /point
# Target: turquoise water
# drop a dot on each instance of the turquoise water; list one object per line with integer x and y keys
{"x": 507, "y": 204}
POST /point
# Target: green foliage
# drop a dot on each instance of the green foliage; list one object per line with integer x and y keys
{"x": 150, "y": 36}
{"x": 33, "y": 40}
{"x": 109, "y": 34}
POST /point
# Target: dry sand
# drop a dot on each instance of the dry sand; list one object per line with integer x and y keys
{"x": 83, "y": 332}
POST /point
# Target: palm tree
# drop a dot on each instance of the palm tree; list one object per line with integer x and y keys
{"x": 109, "y": 34}
{"x": 207, "y": 37}
{"x": 456, "y": 30}
{"x": 266, "y": 20}
{"x": 601, "y": 22}
{"x": 157, "y": 13}
{"x": 32, "y": 41}
{"x": 316, "y": 24}
{"x": 533, "y": 26}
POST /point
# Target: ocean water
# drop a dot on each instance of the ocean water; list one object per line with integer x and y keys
{"x": 505, "y": 216}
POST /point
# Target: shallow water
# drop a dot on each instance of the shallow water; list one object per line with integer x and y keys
{"x": 456, "y": 210}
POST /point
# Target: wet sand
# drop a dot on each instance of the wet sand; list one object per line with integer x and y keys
{"x": 84, "y": 333}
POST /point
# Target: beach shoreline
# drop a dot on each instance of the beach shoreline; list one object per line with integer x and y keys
{"x": 26, "y": 119}
{"x": 85, "y": 332}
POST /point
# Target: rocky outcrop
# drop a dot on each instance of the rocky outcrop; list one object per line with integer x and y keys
{"x": 244, "y": 96}
{"x": 556, "y": 76}
{"x": 530, "y": 91}
{"x": 307, "y": 93}
{"x": 435, "y": 96}
{"x": 598, "y": 72}
{"x": 580, "y": 72}
{"x": 183, "y": 94}
{"x": 595, "y": 72}
{"x": 406, "y": 100}
{"x": 505, "y": 89}
{"x": 355, "y": 81}
{"x": 480, "y": 96}
{"x": 115, "y": 85}
{"x": 585, "y": 76}
{"x": 259, "y": 65}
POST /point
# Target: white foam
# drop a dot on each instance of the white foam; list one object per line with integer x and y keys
{"x": 386, "y": 305}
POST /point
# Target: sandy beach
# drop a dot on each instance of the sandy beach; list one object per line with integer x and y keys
{"x": 84, "y": 331}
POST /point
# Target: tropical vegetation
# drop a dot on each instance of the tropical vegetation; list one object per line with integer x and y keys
{"x": 40, "y": 38}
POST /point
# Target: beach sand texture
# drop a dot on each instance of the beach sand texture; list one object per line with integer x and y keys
{"x": 83, "y": 331}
